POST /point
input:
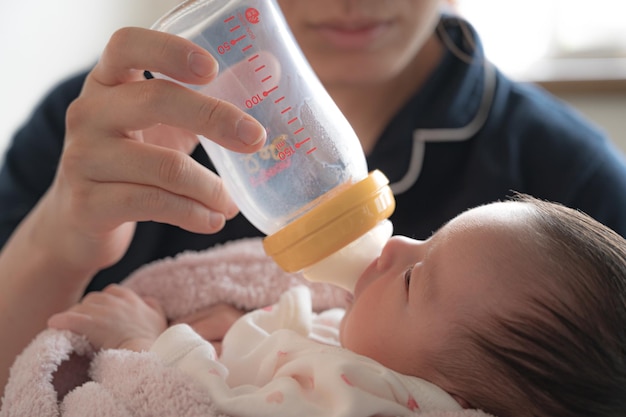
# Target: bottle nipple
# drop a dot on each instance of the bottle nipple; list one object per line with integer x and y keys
{"x": 344, "y": 267}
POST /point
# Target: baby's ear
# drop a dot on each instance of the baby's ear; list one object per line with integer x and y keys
{"x": 462, "y": 401}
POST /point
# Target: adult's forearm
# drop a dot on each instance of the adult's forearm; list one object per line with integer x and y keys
{"x": 33, "y": 286}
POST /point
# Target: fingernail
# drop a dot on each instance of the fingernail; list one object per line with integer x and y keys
{"x": 250, "y": 132}
{"x": 231, "y": 211}
{"x": 216, "y": 220}
{"x": 202, "y": 65}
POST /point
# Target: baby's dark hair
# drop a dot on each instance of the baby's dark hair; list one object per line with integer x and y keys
{"x": 565, "y": 353}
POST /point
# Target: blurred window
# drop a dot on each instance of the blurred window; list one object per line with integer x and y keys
{"x": 552, "y": 40}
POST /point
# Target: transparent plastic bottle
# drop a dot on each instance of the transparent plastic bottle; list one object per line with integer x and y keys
{"x": 308, "y": 188}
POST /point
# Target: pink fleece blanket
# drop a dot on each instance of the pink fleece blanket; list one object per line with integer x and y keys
{"x": 59, "y": 374}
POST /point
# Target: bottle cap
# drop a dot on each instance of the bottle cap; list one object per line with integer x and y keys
{"x": 333, "y": 224}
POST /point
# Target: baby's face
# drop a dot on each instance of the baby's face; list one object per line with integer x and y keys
{"x": 406, "y": 304}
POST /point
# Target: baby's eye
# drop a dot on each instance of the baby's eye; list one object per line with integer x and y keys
{"x": 407, "y": 277}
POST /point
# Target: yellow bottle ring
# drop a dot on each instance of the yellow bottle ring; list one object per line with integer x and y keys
{"x": 333, "y": 224}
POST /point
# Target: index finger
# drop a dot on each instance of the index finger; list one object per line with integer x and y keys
{"x": 131, "y": 51}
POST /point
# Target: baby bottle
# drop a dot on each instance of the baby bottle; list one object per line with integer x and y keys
{"x": 308, "y": 189}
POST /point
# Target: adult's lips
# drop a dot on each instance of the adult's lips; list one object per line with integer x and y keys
{"x": 352, "y": 34}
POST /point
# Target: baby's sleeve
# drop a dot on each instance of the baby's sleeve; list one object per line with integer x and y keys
{"x": 181, "y": 347}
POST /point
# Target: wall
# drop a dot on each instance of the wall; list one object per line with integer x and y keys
{"x": 43, "y": 41}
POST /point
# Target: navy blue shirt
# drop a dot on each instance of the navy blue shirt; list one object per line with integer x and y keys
{"x": 470, "y": 136}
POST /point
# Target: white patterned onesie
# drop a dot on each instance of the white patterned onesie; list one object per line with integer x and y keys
{"x": 285, "y": 360}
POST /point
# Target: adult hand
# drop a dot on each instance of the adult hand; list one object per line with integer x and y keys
{"x": 125, "y": 159}
{"x": 114, "y": 318}
{"x": 126, "y": 150}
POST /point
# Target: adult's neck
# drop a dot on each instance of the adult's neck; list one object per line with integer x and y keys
{"x": 370, "y": 107}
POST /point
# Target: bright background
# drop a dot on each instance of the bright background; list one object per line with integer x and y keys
{"x": 520, "y": 35}
{"x": 43, "y": 41}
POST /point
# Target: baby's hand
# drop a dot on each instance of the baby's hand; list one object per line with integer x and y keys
{"x": 212, "y": 322}
{"x": 114, "y": 318}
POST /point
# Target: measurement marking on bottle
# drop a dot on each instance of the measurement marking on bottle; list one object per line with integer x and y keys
{"x": 259, "y": 68}
{"x": 268, "y": 92}
{"x": 239, "y": 39}
{"x": 302, "y": 142}
{"x": 253, "y": 101}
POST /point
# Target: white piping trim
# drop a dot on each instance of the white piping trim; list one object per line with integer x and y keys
{"x": 421, "y": 136}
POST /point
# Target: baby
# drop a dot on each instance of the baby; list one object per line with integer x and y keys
{"x": 517, "y": 308}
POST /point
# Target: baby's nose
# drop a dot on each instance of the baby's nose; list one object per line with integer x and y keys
{"x": 400, "y": 251}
